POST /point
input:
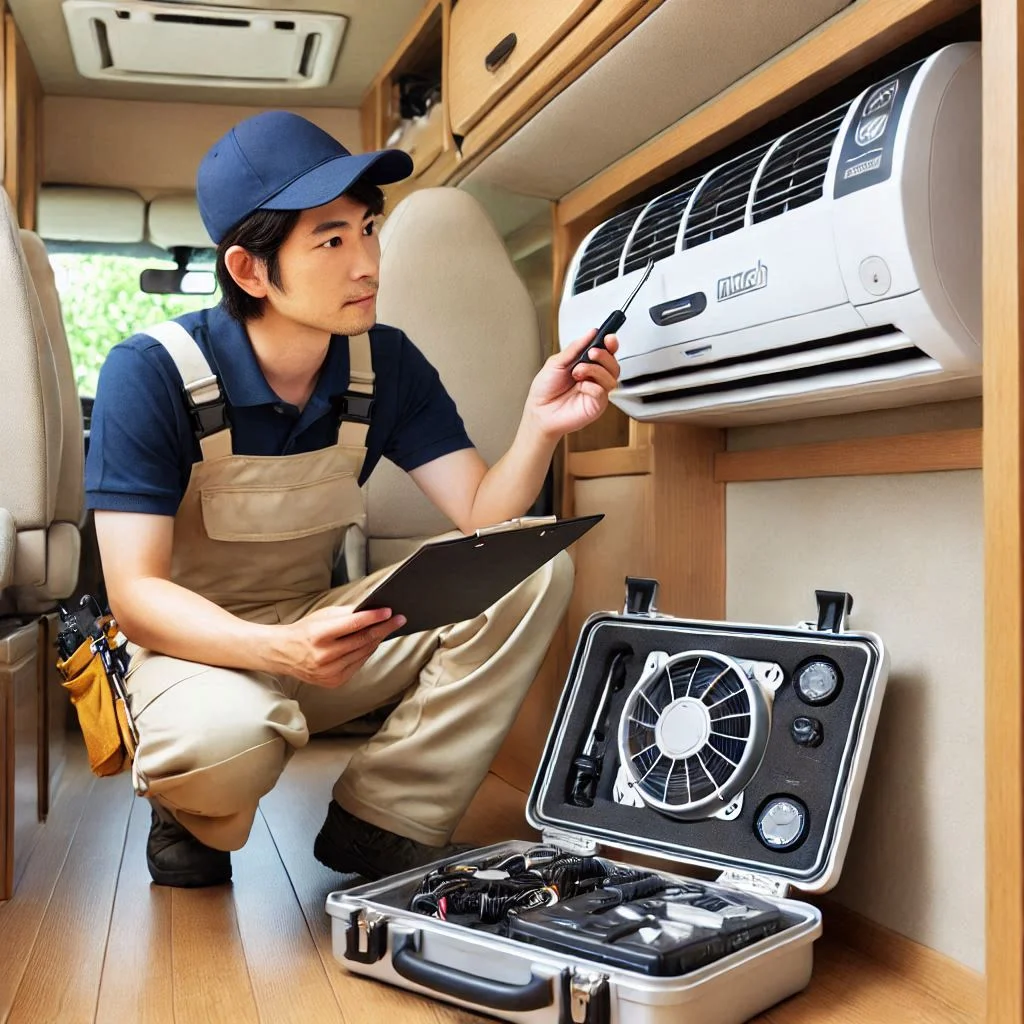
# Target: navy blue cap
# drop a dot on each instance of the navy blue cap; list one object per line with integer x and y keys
{"x": 280, "y": 161}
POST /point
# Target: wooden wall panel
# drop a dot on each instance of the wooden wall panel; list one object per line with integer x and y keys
{"x": 23, "y": 102}
{"x": 1003, "y": 471}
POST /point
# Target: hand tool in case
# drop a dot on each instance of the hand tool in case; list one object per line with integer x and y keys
{"x": 736, "y": 749}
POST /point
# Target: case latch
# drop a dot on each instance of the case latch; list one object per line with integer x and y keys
{"x": 366, "y": 939}
{"x": 588, "y": 999}
{"x": 569, "y": 841}
{"x": 833, "y": 608}
{"x": 759, "y": 885}
{"x": 640, "y": 595}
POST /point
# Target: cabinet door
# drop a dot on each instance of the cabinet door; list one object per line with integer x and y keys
{"x": 493, "y": 44}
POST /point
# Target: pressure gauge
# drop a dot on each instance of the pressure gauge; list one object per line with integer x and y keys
{"x": 817, "y": 681}
{"x": 782, "y": 823}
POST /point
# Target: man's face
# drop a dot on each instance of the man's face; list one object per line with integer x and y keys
{"x": 329, "y": 269}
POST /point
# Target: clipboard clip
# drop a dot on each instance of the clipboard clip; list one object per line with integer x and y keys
{"x": 520, "y": 523}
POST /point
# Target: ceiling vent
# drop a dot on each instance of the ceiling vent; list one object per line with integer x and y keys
{"x": 192, "y": 44}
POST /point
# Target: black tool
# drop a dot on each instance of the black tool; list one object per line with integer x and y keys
{"x": 614, "y": 322}
{"x": 586, "y": 768}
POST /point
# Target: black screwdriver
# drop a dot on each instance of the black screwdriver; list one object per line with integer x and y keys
{"x": 614, "y": 322}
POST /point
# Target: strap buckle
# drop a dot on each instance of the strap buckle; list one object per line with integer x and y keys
{"x": 208, "y": 417}
{"x": 356, "y": 407}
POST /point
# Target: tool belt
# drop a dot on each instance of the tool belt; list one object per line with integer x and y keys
{"x": 93, "y": 663}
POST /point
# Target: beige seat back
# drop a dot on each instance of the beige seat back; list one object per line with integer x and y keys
{"x": 38, "y": 560}
{"x": 70, "y": 507}
{"x": 446, "y": 279}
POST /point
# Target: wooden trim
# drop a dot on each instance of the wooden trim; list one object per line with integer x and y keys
{"x": 3, "y": 90}
{"x": 940, "y": 976}
{"x": 611, "y": 462}
{"x": 1003, "y": 377}
{"x": 409, "y": 41}
{"x": 22, "y": 126}
{"x": 863, "y": 33}
{"x": 863, "y": 456}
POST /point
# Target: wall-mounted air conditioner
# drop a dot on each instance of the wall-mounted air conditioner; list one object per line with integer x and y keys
{"x": 835, "y": 267}
{"x": 199, "y": 44}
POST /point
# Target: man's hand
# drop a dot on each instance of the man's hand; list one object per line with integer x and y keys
{"x": 329, "y": 646}
{"x": 561, "y": 399}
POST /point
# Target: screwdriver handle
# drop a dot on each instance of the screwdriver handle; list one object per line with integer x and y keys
{"x": 610, "y": 326}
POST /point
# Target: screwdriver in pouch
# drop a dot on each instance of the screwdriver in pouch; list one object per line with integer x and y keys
{"x": 614, "y": 322}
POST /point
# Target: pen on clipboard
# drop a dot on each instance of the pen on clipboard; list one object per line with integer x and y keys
{"x": 614, "y": 321}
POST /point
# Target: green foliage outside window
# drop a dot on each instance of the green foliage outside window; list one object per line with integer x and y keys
{"x": 103, "y": 305}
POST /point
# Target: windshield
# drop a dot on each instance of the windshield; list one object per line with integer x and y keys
{"x": 103, "y": 304}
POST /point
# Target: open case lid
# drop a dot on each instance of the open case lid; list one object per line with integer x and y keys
{"x": 747, "y": 743}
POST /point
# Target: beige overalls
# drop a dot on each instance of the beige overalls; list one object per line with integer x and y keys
{"x": 259, "y": 536}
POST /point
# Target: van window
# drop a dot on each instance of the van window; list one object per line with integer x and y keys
{"x": 103, "y": 304}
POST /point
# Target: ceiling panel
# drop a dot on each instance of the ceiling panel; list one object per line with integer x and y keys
{"x": 375, "y": 29}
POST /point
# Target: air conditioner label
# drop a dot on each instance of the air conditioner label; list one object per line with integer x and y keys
{"x": 866, "y": 157}
{"x": 743, "y": 282}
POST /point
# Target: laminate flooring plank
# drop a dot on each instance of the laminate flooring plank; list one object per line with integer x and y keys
{"x": 849, "y": 988}
{"x": 62, "y": 978}
{"x": 294, "y": 811}
{"x": 21, "y": 916}
{"x": 288, "y": 977}
{"x": 210, "y": 976}
{"x": 136, "y": 983}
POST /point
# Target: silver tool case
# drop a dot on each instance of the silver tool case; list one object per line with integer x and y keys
{"x": 737, "y": 750}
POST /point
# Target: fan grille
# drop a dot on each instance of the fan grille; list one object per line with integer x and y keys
{"x": 719, "y": 690}
{"x": 600, "y": 260}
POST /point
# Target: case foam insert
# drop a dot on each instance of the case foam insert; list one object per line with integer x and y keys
{"x": 815, "y": 776}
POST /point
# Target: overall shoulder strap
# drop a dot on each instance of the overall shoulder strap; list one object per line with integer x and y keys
{"x": 358, "y": 402}
{"x": 206, "y": 407}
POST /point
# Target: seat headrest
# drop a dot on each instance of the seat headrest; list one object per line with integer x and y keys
{"x": 446, "y": 279}
{"x": 30, "y": 415}
{"x": 70, "y": 507}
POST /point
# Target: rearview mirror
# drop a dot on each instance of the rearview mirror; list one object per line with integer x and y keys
{"x": 178, "y": 282}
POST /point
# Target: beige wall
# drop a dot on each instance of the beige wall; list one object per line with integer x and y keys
{"x": 909, "y": 549}
{"x": 149, "y": 147}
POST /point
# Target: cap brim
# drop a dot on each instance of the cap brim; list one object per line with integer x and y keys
{"x": 325, "y": 183}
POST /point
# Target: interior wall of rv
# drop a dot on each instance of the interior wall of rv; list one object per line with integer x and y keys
{"x": 739, "y": 518}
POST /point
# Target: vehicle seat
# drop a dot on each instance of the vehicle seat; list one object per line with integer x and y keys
{"x": 448, "y": 282}
{"x": 38, "y": 553}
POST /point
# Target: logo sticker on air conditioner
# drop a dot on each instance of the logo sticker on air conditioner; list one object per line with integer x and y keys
{"x": 745, "y": 281}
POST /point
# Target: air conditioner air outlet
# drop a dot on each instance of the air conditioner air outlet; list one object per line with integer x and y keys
{"x": 194, "y": 44}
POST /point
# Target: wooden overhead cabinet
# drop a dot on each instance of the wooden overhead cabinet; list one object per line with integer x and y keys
{"x": 495, "y": 44}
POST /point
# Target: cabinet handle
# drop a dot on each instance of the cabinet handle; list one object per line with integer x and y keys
{"x": 501, "y": 52}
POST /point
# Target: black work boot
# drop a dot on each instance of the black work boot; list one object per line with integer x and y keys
{"x": 175, "y": 857}
{"x": 349, "y": 845}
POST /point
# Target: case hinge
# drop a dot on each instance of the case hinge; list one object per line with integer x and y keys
{"x": 366, "y": 938}
{"x": 588, "y": 999}
{"x": 582, "y": 846}
{"x": 758, "y": 885}
{"x": 640, "y": 596}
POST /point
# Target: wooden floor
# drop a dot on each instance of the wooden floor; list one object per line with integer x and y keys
{"x": 87, "y": 937}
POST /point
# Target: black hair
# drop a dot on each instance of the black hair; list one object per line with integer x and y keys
{"x": 262, "y": 234}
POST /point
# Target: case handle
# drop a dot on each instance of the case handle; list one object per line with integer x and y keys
{"x": 536, "y": 994}
{"x": 501, "y": 52}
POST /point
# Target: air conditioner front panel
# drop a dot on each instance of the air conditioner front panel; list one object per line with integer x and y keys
{"x": 762, "y": 338}
{"x": 202, "y": 45}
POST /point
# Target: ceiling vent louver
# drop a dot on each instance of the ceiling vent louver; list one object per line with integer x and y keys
{"x": 656, "y": 234}
{"x": 601, "y": 258}
{"x": 193, "y": 44}
{"x": 795, "y": 172}
{"x": 721, "y": 204}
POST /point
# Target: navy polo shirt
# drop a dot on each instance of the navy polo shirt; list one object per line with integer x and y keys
{"x": 142, "y": 448}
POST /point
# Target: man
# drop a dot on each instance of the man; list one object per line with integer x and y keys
{"x": 226, "y": 457}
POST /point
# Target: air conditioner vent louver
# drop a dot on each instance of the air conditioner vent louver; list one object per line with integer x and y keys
{"x": 721, "y": 203}
{"x": 795, "y": 173}
{"x": 195, "y": 44}
{"x": 658, "y": 229}
{"x": 600, "y": 261}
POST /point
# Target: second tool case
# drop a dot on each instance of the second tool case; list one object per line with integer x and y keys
{"x": 738, "y": 750}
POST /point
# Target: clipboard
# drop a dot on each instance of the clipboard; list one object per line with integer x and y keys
{"x": 452, "y": 580}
